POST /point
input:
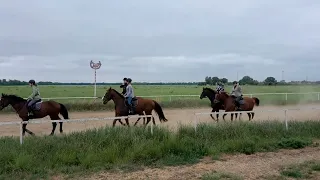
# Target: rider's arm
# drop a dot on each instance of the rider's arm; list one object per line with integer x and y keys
{"x": 34, "y": 92}
{"x": 129, "y": 91}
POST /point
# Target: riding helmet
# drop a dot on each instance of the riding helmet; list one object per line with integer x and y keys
{"x": 32, "y": 81}
{"x": 125, "y": 79}
{"x": 235, "y": 82}
{"x": 129, "y": 80}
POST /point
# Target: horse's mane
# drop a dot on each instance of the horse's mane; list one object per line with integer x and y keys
{"x": 14, "y": 98}
{"x": 211, "y": 90}
{"x": 117, "y": 93}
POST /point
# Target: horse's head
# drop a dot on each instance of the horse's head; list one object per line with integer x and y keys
{"x": 6, "y": 100}
{"x": 221, "y": 97}
{"x": 108, "y": 96}
{"x": 207, "y": 92}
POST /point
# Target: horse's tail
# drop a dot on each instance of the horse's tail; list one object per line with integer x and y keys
{"x": 159, "y": 111}
{"x": 257, "y": 101}
{"x": 64, "y": 111}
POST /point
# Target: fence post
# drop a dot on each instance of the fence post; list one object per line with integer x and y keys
{"x": 251, "y": 95}
{"x": 195, "y": 122}
{"x": 286, "y": 97}
{"x": 318, "y": 96}
{"x": 286, "y": 119}
{"x": 170, "y": 98}
{"x": 151, "y": 127}
{"x": 21, "y": 135}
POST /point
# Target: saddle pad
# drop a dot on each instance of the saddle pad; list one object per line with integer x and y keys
{"x": 37, "y": 106}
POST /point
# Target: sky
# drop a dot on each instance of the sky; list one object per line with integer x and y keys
{"x": 159, "y": 41}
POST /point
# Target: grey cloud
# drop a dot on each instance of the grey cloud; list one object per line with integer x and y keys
{"x": 165, "y": 40}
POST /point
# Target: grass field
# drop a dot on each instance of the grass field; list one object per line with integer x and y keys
{"x": 131, "y": 149}
{"x": 169, "y": 102}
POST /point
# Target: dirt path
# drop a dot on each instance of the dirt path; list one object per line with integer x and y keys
{"x": 175, "y": 117}
{"x": 250, "y": 167}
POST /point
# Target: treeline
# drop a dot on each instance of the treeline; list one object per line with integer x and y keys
{"x": 247, "y": 80}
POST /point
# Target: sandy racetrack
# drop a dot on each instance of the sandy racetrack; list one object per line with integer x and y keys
{"x": 175, "y": 117}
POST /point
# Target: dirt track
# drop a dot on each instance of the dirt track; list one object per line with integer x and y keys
{"x": 175, "y": 117}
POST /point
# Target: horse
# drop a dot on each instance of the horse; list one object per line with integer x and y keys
{"x": 141, "y": 105}
{"x": 247, "y": 104}
{"x": 210, "y": 94}
{"x": 40, "y": 110}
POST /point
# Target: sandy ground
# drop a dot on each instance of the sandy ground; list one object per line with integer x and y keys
{"x": 174, "y": 116}
{"x": 249, "y": 167}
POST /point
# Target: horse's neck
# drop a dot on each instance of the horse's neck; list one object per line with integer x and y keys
{"x": 211, "y": 97}
{"x": 117, "y": 100}
{"x": 18, "y": 106}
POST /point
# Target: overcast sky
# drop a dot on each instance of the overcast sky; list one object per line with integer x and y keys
{"x": 165, "y": 40}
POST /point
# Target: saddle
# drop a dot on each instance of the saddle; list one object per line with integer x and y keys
{"x": 37, "y": 105}
{"x": 134, "y": 102}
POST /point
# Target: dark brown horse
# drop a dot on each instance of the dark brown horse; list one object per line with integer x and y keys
{"x": 211, "y": 94}
{"x": 229, "y": 104}
{"x": 47, "y": 108}
{"x": 141, "y": 106}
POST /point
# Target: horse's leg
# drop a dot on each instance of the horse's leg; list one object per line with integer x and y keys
{"x": 252, "y": 115}
{"x": 148, "y": 118}
{"x": 127, "y": 121}
{"x": 249, "y": 115}
{"x": 24, "y": 129}
{"x": 232, "y": 117}
{"x": 154, "y": 121}
{"x": 224, "y": 116}
{"x": 114, "y": 122}
{"x": 211, "y": 114}
{"x": 140, "y": 114}
{"x": 61, "y": 131}
{"x": 217, "y": 115}
{"x": 54, "y": 125}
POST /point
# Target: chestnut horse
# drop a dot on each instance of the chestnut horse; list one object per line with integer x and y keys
{"x": 211, "y": 94}
{"x": 229, "y": 104}
{"x": 47, "y": 108}
{"x": 141, "y": 105}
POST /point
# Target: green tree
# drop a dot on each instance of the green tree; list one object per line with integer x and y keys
{"x": 270, "y": 81}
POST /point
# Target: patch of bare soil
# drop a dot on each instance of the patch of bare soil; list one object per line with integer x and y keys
{"x": 249, "y": 167}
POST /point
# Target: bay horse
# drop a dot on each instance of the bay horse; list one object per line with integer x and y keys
{"x": 229, "y": 104}
{"x": 211, "y": 94}
{"x": 141, "y": 106}
{"x": 42, "y": 109}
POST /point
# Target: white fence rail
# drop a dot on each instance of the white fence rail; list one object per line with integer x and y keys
{"x": 172, "y": 96}
{"x": 285, "y": 111}
{"x": 69, "y": 121}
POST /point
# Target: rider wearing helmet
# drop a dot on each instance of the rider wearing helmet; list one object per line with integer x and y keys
{"x": 220, "y": 87}
{"x": 124, "y": 85}
{"x": 129, "y": 95}
{"x": 237, "y": 94}
{"x": 34, "y": 97}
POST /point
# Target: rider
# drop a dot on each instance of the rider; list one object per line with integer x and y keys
{"x": 124, "y": 85}
{"x": 220, "y": 87}
{"x": 34, "y": 97}
{"x": 129, "y": 95}
{"x": 237, "y": 93}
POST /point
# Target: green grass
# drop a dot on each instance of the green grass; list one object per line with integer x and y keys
{"x": 167, "y": 102}
{"x": 114, "y": 148}
{"x": 304, "y": 170}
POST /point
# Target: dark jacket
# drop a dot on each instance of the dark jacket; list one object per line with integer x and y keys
{"x": 123, "y": 86}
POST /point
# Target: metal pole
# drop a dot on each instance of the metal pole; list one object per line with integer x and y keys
{"x": 95, "y": 83}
